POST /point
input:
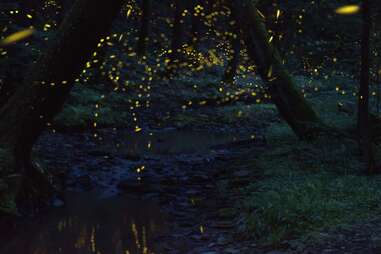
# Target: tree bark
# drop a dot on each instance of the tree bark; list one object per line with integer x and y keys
{"x": 233, "y": 62}
{"x": 363, "y": 121}
{"x": 196, "y": 23}
{"x": 231, "y": 69}
{"x": 177, "y": 36}
{"x": 46, "y": 86}
{"x": 144, "y": 27}
{"x": 290, "y": 103}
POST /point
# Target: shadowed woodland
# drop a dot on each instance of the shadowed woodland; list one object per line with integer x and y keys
{"x": 174, "y": 126}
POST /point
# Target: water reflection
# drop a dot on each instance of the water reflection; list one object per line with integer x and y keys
{"x": 90, "y": 225}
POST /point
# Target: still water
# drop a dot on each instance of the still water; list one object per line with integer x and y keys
{"x": 117, "y": 225}
{"x": 88, "y": 224}
{"x": 172, "y": 142}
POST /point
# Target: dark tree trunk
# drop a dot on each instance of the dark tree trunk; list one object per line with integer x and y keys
{"x": 210, "y": 6}
{"x": 290, "y": 103}
{"x": 231, "y": 69}
{"x": 196, "y": 23}
{"x": 364, "y": 128}
{"x": 144, "y": 27}
{"x": 42, "y": 94}
{"x": 177, "y": 36}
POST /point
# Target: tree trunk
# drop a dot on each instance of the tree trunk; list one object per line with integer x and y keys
{"x": 196, "y": 23}
{"x": 144, "y": 27}
{"x": 42, "y": 94}
{"x": 290, "y": 103}
{"x": 177, "y": 36}
{"x": 233, "y": 63}
{"x": 363, "y": 123}
{"x": 210, "y": 6}
{"x": 231, "y": 69}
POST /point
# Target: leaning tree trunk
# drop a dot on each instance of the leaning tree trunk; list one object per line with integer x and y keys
{"x": 290, "y": 103}
{"x": 144, "y": 27}
{"x": 42, "y": 94}
{"x": 363, "y": 122}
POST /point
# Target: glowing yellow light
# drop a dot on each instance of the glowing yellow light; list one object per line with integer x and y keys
{"x": 278, "y": 14}
{"x": 18, "y": 36}
{"x": 348, "y": 9}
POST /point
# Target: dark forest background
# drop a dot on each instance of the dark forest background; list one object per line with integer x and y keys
{"x": 293, "y": 87}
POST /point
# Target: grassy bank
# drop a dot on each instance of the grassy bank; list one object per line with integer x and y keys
{"x": 300, "y": 188}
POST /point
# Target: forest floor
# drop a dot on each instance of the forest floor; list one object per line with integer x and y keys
{"x": 227, "y": 179}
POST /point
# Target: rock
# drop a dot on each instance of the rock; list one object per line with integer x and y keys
{"x": 131, "y": 186}
{"x": 231, "y": 251}
{"x": 326, "y": 251}
{"x": 211, "y": 245}
{"x": 185, "y": 224}
{"x": 57, "y": 202}
{"x": 376, "y": 243}
{"x": 3, "y": 185}
{"x": 133, "y": 157}
{"x": 241, "y": 173}
{"x": 85, "y": 182}
{"x": 204, "y": 237}
{"x": 239, "y": 182}
{"x": 192, "y": 192}
{"x": 196, "y": 237}
{"x": 199, "y": 178}
{"x": 169, "y": 181}
{"x": 223, "y": 224}
{"x": 226, "y": 213}
{"x": 222, "y": 240}
{"x": 276, "y": 252}
{"x": 98, "y": 153}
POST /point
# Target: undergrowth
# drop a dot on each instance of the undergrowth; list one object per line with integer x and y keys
{"x": 307, "y": 187}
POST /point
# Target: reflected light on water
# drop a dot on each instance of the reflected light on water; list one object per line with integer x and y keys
{"x": 90, "y": 225}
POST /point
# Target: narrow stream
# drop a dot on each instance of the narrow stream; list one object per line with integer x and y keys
{"x": 118, "y": 224}
{"x": 171, "y": 142}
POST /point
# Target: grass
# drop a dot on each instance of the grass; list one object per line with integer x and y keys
{"x": 230, "y": 116}
{"x": 307, "y": 187}
{"x": 80, "y": 109}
